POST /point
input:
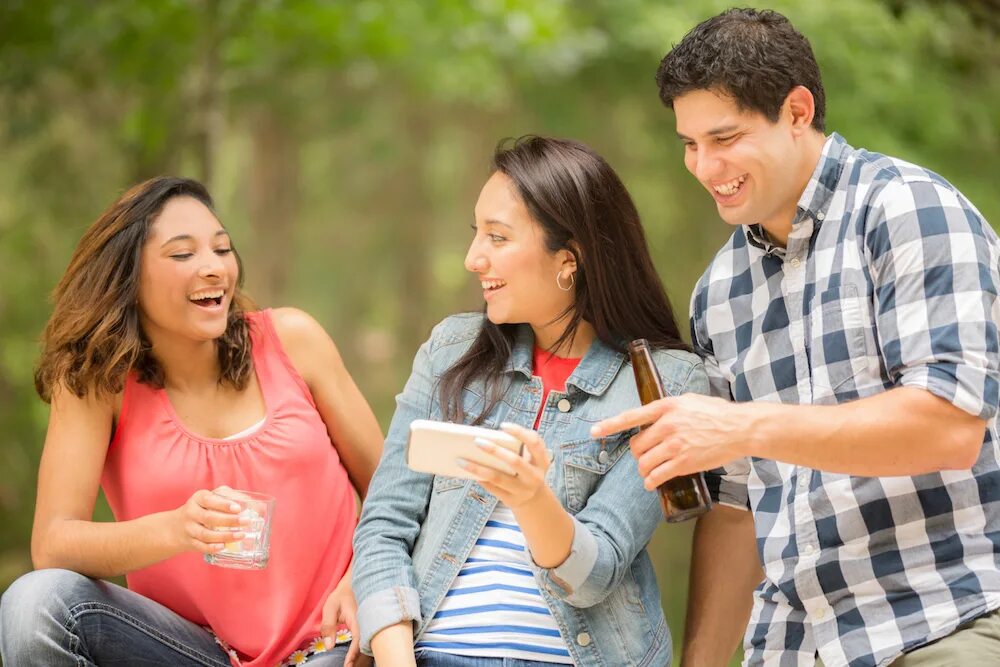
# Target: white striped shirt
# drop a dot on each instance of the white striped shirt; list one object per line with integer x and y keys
{"x": 494, "y": 608}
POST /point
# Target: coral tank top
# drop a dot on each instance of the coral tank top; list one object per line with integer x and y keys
{"x": 154, "y": 464}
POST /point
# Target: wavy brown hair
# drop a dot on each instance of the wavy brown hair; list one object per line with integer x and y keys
{"x": 93, "y": 338}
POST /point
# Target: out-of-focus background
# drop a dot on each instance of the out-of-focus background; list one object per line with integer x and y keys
{"x": 346, "y": 142}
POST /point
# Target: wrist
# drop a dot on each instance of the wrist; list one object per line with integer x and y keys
{"x": 535, "y": 503}
{"x": 759, "y": 419}
{"x": 170, "y": 525}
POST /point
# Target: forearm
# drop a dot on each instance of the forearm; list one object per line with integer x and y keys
{"x": 725, "y": 569}
{"x": 547, "y": 529}
{"x": 905, "y": 431}
{"x": 394, "y": 645}
{"x": 105, "y": 549}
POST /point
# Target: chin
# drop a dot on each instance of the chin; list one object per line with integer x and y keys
{"x": 497, "y": 317}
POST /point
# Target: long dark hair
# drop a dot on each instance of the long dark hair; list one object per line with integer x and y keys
{"x": 93, "y": 338}
{"x": 573, "y": 195}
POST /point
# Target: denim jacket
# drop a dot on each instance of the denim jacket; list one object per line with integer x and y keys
{"x": 416, "y": 530}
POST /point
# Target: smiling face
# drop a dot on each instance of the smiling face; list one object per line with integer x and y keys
{"x": 755, "y": 170}
{"x": 510, "y": 259}
{"x": 188, "y": 273}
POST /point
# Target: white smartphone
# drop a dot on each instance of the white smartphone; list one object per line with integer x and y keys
{"x": 435, "y": 446}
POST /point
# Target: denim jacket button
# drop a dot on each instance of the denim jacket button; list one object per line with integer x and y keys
{"x": 583, "y": 639}
{"x": 602, "y": 458}
{"x": 564, "y": 405}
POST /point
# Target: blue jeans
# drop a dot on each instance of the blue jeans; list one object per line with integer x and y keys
{"x": 438, "y": 659}
{"x": 56, "y": 617}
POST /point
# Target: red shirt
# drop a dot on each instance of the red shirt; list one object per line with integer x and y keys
{"x": 553, "y": 371}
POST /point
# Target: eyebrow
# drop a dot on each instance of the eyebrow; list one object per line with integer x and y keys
{"x": 188, "y": 237}
{"x": 714, "y": 132}
{"x": 498, "y": 222}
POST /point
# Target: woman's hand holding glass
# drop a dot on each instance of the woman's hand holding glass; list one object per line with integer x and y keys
{"x": 207, "y": 521}
{"x": 528, "y": 479}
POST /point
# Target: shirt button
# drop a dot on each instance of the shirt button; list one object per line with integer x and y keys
{"x": 820, "y": 215}
{"x": 820, "y": 613}
{"x": 564, "y": 405}
{"x": 602, "y": 458}
{"x": 583, "y": 639}
{"x": 795, "y": 262}
{"x": 803, "y": 481}
{"x": 807, "y": 550}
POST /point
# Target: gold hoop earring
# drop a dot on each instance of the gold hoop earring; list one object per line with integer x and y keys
{"x": 572, "y": 281}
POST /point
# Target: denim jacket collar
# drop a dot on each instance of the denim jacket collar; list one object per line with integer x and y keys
{"x": 594, "y": 374}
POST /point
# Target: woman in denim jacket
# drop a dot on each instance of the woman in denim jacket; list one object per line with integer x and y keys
{"x": 548, "y": 566}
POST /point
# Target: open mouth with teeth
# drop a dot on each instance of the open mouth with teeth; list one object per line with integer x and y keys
{"x": 492, "y": 285}
{"x": 731, "y": 188}
{"x": 207, "y": 298}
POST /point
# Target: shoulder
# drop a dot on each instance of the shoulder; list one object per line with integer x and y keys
{"x": 681, "y": 371}
{"x": 897, "y": 188}
{"x": 296, "y": 326}
{"x": 303, "y": 339}
{"x": 456, "y": 329}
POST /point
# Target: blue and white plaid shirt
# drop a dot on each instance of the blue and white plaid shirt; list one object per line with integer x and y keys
{"x": 889, "y": 279}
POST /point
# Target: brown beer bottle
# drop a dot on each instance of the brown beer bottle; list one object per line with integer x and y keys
{"x": 685, "y": 497}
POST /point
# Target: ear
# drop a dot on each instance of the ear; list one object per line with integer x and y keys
{"x": 800, "y": 108}
{"x": 567, "y": 257}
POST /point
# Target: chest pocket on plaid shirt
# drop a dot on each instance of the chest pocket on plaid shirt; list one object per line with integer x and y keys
{"x": 839, "y": 322}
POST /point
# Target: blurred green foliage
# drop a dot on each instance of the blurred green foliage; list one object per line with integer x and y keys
{"x": 346, "y": 143}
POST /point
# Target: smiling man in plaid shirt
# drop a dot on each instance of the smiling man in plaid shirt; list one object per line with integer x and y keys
{"x": 850, "y": 329}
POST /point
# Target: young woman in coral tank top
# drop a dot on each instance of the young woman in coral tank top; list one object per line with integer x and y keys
{"x": 168, "y": 392}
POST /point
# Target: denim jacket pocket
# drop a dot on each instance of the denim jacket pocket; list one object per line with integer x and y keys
{"x": 442, "y": 484}
{"x": 585, "y": 462}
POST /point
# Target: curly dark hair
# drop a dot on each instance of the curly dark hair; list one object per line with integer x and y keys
{"x": 754, "y": 56}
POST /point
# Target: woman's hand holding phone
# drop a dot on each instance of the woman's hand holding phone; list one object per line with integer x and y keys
{"x": 528, "y": 478}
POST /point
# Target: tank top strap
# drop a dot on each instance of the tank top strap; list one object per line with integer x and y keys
{"x": 276, "y": 373}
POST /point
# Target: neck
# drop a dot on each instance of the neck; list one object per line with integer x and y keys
{"x": 779, "y": 227}
{"x": 187, "y": 365}
{"x": 573, "y": 348}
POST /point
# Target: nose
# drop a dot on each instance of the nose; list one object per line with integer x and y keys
{"x": 211, "y": 265}
{"x": 706, "y": 164}
{"x": 475, "y": 260}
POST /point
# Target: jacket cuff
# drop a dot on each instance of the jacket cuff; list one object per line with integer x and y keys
{"x": 565, "y": 580}
{"x": 384, "y": 608}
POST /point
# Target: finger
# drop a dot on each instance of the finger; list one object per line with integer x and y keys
{"x": 212, "y": 500}
{"x": 480, "y": 473}
{"x": 643, "y": 441}
{"x": 531, "y": 439}
{"x": 655, "y": 457}
{"x": 204, "y": 534}
{"x": 647, "y": 414}
{"x": 525, "y": 470}
{"x": 207, "y": 548}
{"x": 663, "y": 473}
{"x": 351, "y": 621}
{"x": 331, "y": 611}
{"x": 352, "y": 652}
{"x": 215, "y": 520}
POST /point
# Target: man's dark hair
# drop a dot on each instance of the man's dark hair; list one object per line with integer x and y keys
{"x": 755, "y": 57}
